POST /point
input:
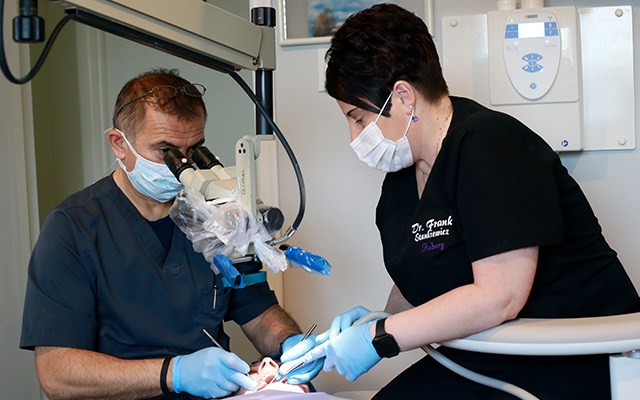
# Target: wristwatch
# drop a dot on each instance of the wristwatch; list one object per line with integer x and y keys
{"x": 384, "y": 343}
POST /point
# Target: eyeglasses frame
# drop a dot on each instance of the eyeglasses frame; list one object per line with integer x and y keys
{"x": 200, "y": 88}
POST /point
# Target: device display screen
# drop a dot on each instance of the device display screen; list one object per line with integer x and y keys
{"x": 531, "y": 30}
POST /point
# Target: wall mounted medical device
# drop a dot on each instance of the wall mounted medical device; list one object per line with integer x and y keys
{"x": 566, "y": 72}
{"x": 531, "y": 52}
{"x": 531, "y": 63}
{"x": 533, "y": 60}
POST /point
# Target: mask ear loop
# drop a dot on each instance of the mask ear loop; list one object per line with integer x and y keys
{"x": 411, "y": 119}
{"x": 383, "y": 106}
{"x": 138, "y": 156}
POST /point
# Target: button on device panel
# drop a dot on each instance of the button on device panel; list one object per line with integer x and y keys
{"x": 511, "y": 31}
{"x": 531, "y": 47}
{"x": 532, "y": 62}
{"x": 551, "y": 28}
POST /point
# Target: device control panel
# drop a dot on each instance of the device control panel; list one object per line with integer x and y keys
{"x": 532, "y": 49}
{"x": 533, "y": 55}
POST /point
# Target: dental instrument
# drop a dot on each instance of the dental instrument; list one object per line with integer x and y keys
{"x": 215, "y": 342}
{"x": 296, "y": 365}
{"x": 284, "y": 375}
{"x": 212, "y": 339}
{"x": 306, "y": 335}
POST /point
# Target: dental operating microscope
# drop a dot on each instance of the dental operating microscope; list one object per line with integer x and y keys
{"x": 220, "y": 212}
{"x": 214, "y": 38}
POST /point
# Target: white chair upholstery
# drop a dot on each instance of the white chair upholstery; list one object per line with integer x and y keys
{"x": 618, "y": 336}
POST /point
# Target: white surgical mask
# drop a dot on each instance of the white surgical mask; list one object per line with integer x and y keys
{"x": 381, "y": 153}
{"x": 152, "y": 179}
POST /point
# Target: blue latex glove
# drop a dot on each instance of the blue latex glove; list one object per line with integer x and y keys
{"x": 292, "y": 350}
{"x": 350, "y": 353}
{"x": 341, "y": 322}
{"x": 211, "y": 373}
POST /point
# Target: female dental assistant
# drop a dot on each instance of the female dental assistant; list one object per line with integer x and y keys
{"x": 480, "y": 223}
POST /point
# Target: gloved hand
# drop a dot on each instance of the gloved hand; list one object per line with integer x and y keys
{"x": 292, "y": 350}
{"x": 341, "y": 322}
{"x": 211, "y": 373}
{"x": 351, "y": 352}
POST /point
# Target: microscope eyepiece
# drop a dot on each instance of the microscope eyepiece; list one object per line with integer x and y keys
{"x": 176, "y": 161}
{"x": 203, "y": 158}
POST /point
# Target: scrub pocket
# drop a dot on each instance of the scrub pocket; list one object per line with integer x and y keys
{"x": 214, "y": 306}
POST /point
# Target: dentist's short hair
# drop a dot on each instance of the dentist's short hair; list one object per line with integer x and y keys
{"x": 128, "y": 115}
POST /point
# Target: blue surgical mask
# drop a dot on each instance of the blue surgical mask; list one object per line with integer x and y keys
{"x": 151, "y": 179}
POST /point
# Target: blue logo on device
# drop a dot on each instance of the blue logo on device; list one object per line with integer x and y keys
{"x": 531, "y": 60}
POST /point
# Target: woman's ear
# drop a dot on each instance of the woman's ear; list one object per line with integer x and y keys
{"x": 407, "y": 95}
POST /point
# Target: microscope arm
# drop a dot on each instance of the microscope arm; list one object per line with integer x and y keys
{"x": 200, "y": 32}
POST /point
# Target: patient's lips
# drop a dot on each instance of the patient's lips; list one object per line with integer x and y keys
{"x": 264, "y": 372}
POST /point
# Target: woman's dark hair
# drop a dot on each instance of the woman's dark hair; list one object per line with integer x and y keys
{"x": 132, "y": 104}
{"x": 376, "y": 47}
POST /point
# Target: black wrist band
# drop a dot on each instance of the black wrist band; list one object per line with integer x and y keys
{"x": 163, "y": 374}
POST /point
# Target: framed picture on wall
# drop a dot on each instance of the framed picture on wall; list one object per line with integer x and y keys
{"x": 304, "y": 22}
{"x": 326, "y": 16}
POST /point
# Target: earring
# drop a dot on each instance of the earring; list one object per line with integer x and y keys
{"x": 414, "y": 117}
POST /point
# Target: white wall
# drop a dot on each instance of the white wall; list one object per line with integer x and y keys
{"x": 18, "y": 219}
{"x": 342, "y": 193}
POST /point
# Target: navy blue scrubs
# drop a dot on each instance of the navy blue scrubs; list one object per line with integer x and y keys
{"x": 100, "y": 279}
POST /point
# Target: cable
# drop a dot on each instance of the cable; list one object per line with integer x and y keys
{"x": 287, "y": 148}
{"x": 4, "y": 66}
{"x": 476, "y": 377}
{"x": 457, "y": 368}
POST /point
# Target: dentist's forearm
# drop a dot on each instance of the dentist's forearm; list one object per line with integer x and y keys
{"x": 67, "y": 373}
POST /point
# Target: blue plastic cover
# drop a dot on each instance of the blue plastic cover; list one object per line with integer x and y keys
{"x": 308, "y": 261}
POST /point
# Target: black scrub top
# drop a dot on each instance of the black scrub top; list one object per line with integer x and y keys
{"x": 496, "y": 186}
{"x": 100, "y": 279}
